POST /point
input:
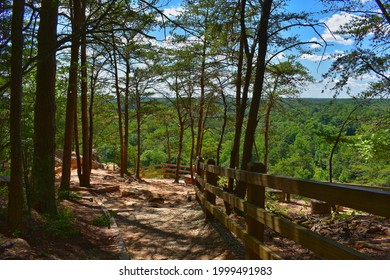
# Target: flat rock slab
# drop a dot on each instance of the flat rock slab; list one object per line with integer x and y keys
{"x": 96, "y": 189}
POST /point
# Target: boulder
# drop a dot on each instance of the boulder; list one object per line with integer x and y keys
{"x": 15, "y": 249}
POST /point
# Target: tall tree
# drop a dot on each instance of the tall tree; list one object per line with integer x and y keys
{"x": 245, "y": 53}
{"x": 142, "y": 82}
{"x": 43, "y": 175}
{"x": 15, "y": 201}
{"x": 257, "y": 91}
{"x": 114, "y": 58}
{"x": 86, "y": 164}
{"x": 75, "y": 10}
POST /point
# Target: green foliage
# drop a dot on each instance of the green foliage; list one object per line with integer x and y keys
{"x": 3, "y": 191}
{"x": 73, "y": 196}
{"x": 370, "y": 31}
{"x": 152, "y": 157}
{"x": 272, "y": 205}
{"x": 62, "y": 225}
{"x": 102, "y": 220}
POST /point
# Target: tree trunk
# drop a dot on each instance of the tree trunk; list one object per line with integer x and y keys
{"x": 225, "y": 108}
{"x": 257, "y": 91}
{"x": 127, "y": 101}
{"x": 181, "y": 133}
{"x": 15, "y": 199}
{"x": 178, "y": 159}
{"x": 77, "y": 144}
{"x": 168, "y": 143}
{"x": 241, "y": 102}
{"x": 192, "y": 141}
{"x": 240, "y": 105}
{"x": 85, "y": 179}
{"x": 43, "y": 175}
{"x": 90, "y": 111}
{"x": 201, "y": 101}
{"x": 138, "y": 98}
{"x": 266, "y": 135}
{"x": 119, "y": 107}
{"x": 71, "y": 99}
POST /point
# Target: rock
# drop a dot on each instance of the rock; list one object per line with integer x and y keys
{"x": 58, "y": 161}
{"x": 97, "y": 165}
{"x": 101, "y": 190}
{"x": 108, "y": 177}
{"x": 110, "y": 167}
{"x": 188, "y": 197}
{"x": 156, "y": 198}
{"x": 130, "y": 194}
{"x": 15, "y": 249}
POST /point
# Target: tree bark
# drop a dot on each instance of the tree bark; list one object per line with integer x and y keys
{"x": 71, "y": 98}
{"x": 119, "y": 107}
{"x": 241, "y": 106}
{"x": 168, "y": 143}
{"x": 77, "y": 144}
{"x": 266, "y": 134}
{"x": 126, "y": 128}
{"x": 138, "y": 101}
{"x": 257, "y": 92}
{"x": 178, "y": 159}
{"x": 85, "y": 179}
{"x": 385, "y": 12}
{"x": 225, "y": 108}
{"x": 15, "y": 199}
{"x": 43, "y": 175}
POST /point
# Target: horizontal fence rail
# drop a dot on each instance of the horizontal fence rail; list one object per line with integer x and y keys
{"x": 371, "y": 200}
{"x": 164, "y": 170}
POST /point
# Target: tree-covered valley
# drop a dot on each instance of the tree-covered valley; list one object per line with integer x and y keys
{"x": 130, "y": 84}
{"x": 302, "y": 134}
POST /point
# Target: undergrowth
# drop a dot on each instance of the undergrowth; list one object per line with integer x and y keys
{"x": 62, "y": 225}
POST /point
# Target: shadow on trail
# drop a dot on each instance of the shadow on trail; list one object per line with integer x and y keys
{"x": 181, "y": 233}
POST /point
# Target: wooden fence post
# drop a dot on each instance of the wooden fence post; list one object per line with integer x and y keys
{"x": 200, "y": 173}
{"x": 255, "y": 196}
{"x": 211, "y": 178}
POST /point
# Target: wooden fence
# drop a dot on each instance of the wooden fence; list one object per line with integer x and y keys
{"x": 375, "y": 201}
{"x": 164, "y": 170}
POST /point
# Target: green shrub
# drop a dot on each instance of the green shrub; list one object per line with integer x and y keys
{"x": 62, "y": 225}
{"x": 102, "y": 220}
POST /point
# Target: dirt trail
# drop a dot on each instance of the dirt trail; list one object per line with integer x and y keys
{"x": 158, "y": 219}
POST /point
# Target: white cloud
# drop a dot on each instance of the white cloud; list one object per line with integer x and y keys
{"x": 173, "y": 11}
{"x": 334, "y": 24}
{"x": 316, "y": 57}
{"x": 316, "y": 44}
{"x": 170, "y": 42}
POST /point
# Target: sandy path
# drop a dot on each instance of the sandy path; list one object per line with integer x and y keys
{"x": 158, "y": 219}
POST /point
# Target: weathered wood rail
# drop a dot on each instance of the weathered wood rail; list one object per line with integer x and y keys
{"x": 375, "y": 201}
{"x": 164, "y": 170}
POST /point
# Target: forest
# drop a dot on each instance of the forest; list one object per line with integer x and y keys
{"x": 131, "y": 84}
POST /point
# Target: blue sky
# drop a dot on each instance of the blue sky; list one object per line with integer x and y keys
{"x": 319, "y": 62}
